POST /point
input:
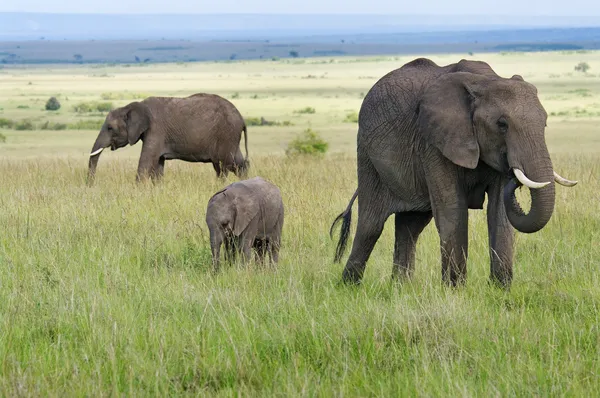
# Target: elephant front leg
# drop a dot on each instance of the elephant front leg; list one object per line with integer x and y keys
{"x": 151, "y": 162}
{"x": 501, "y": 237}
{"x": 409, "y": 226}
{"x": 452, "y": 224}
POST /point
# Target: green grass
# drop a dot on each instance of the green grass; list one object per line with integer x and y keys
{"x": 107, "y": 290}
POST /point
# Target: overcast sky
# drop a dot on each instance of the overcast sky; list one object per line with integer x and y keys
{"x": 436, "y": 7}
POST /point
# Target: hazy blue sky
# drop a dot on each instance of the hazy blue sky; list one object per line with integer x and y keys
{"x": 445, "y": 7}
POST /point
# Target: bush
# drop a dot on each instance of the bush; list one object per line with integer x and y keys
{"x": 52, "y": 104}
{"x": 261, "y": 121}
{"x": 307, "y": 143}
{"x": 6, "y": 123}
{"x": 24, "y": 124}
{"x": 351, "y": 118}
{"x": 23, "y": 107}
{"x": 307, "y": 110}
{"x": 582, "y": 67}
{"x": 53, "y": 126}
{"x": 86, "y": 125}
{"x": 2, "y": 138}
{"x": 123, "y": 96}
{"x": 87, "y": 107}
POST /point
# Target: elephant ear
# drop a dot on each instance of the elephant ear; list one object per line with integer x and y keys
{"x": 137, "y": 120}
{"x": 445, "y": 116}
{"x": 246, "y": 209}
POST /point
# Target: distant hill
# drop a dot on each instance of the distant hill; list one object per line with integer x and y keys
{"x": 27, "y": 38}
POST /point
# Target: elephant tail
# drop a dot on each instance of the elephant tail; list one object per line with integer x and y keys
{"x": 346, "y": 216}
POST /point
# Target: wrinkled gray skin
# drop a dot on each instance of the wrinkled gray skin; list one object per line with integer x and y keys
{"x": 200, "y": 128}
{"x": 244, "y": 215}
{"x": 432, "y": 141}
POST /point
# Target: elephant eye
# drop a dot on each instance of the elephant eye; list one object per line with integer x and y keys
{"x": 109, "y": 128}
{"x": 502, "y": 124}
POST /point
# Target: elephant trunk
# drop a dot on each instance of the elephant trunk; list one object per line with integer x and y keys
{"x": 538, "y": 176}
{"x": 103, "y": 141}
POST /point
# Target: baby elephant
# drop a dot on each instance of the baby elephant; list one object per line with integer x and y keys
{"x": 244, "y": 215}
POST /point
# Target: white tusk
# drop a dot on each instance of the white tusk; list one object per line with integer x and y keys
{"x": 527, "y": 182}
{"x": 96, "y": 152}
{"x": 563, "y": 181}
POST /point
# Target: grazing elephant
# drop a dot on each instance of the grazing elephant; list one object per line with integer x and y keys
{"x": 432, "y": 141}
{"x": 244, "y": 215}
{"x": 199, "y": 128}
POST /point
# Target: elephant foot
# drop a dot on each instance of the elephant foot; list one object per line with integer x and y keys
{"x": 499, "y": 282}
{"x": 351, "y": 276}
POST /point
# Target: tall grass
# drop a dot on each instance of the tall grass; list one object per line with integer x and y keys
{"x": 108, "y": 290}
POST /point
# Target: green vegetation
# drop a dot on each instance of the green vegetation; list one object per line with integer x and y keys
{"x": 582, "y": 67}
{"x": 123, "y": 95}
{"x": 351, "y": 117}
{"x": 261, "y": 121}
{"x": 6, "y": 123}
{"x": 107, "y": 290}
{"x": 93, "y": 106}
{"x": 52, "y": 104}
{"x": 308, "y": 143}
{"x": 2, "y": 138}
{"x": 306, "y": 110}
{"x": 24, "y": 124}
{"x": 27, "y": 124}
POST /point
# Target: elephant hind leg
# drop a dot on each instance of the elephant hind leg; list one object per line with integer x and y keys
{"x": 368, "y": 230}
{"x": 409, "y": 226}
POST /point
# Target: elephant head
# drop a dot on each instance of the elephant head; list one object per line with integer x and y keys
{"x": 473, "y": 118}
{"x": 122, "y": 126}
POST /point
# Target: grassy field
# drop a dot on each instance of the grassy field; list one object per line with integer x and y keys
{"x": 107, "y": 290}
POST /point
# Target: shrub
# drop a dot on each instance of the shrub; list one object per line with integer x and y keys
{"x": 23, "y": 107}
{"x": 307, "y": 143}
{"x": 104, "y": 106}
{"x": 6, "y": 123}
{"x": 235, "y": 95}
{"x": 2, "y": 138}
{"x": 294, "y": 54}
{"x": 24, "y": 124}
{"x": 261, "y": 121}
{"x": 87, "y": 125}
{"x": 87, "y": 107}
{"x": 307, "y": 110}
{"x": 52, "y": 104}
{"x": 53, "y": 126}
{"x": 123, "y": 96}
{"x": 582, "y": 67}
{"x": 352, "y": 117}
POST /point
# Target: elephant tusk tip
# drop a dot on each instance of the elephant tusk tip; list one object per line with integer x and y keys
{"x": 527, "y": 182}
{"x": 96, "y": 152}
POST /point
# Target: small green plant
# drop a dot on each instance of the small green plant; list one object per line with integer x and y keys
{"x": 24, "y": 124}
{"x": 2, "y": 138}
{"x": 351, "y": 117}
{"x": 52, "y": 104}
{"x": 23, "y": 107}
{"x": 582, "y": 67}
{"x": 6, "y": 123}
{"x": 308, "y": 143}
{"x": 235, "y": 95}
{"x": 306, "y": 110}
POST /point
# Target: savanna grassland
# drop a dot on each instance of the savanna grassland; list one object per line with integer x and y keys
{"x": 107, "y": 290}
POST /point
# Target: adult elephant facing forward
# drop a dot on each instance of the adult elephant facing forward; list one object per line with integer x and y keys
{"x": 432, "y": 141}
{"x": 200, "y": 128}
